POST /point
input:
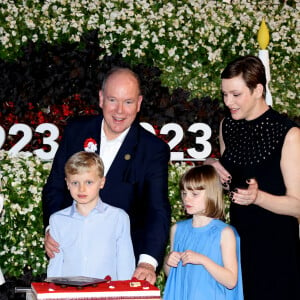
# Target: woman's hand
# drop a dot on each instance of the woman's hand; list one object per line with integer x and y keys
{"x": 224, "y": 175}
{"x": 246, "y": 196}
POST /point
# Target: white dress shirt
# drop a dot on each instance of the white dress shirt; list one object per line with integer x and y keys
{"x": 110, "y": 148}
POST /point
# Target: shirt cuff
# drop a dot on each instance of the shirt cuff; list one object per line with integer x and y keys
{"x": 145, "y": 258}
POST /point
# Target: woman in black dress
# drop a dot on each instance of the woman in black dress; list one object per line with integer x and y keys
{"x": 260, "y": 164}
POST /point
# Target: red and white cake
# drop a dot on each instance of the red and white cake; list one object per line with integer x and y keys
{"x": 126, "y": 289}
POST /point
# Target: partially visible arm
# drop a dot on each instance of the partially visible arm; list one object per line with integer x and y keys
{"x": 223, "y": 173}
{"x": 157, "y": 215}
{"x": 226, "y": 275}
{"x": 288, "y": 204}
{"x": 221, "y": 140}
{"x": 290, "y": 162}
{"x": 173, "y": 258}
{"x": 51, "y": 246}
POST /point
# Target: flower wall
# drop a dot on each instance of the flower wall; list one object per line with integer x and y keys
{"x": 189, "y": 41}
{"x": 22, "y": 232}
{"x": 54, "y": 53}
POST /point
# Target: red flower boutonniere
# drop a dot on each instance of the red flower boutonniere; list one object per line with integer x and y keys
{"x": 90, "y": 145}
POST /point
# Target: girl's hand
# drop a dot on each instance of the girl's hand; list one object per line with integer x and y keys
{"x": 173, "y": 259}
{"x": 246, "y": 196}
{"x": 191, "y": 257}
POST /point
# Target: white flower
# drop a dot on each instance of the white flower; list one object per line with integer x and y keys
{"x": 172, "y": 51}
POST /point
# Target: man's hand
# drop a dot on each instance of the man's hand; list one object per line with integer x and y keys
{"x": 51, "y": 246}
{"x": 145, "y": 271}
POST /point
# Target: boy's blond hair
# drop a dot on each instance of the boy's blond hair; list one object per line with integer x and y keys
{"x": 83, "y": 161}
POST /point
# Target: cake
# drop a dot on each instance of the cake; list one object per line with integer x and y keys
{"x": 112, "y": 290}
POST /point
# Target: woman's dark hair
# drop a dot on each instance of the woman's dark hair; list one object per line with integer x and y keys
{"x": 250, "y": 68}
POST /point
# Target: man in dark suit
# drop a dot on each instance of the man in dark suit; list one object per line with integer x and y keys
{"x": 136, "y": 167}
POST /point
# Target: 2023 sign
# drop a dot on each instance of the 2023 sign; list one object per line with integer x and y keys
{"x": 51, "y": 132}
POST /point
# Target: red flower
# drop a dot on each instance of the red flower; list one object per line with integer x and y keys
{"x": 90, "y": 145}
{"x": 66, "y": 111}
{"x": 77, "y": 97}
{"x": 41, "y": 118}
{"x": 9, "y": 104}
{"x": 30, "y": 106}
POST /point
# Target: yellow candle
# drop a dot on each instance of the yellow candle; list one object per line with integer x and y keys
{"x": 263, "y": 36}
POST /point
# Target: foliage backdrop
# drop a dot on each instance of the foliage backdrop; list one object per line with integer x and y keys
{"x": 189, "y": 41}
{"x": 54, "y": 53}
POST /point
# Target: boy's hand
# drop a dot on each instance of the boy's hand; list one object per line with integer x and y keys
{"x": 51, "y": 246}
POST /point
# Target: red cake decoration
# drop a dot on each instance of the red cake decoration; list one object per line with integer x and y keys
{"x": 109, "y": 290}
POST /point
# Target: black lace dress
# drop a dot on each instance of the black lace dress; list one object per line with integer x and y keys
{"x": 270, "y": 247}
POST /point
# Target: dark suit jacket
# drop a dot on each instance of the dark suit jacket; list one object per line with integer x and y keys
{"x": 137, "y": 182}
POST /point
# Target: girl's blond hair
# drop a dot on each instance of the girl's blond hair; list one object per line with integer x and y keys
{"x": 206, "y": 178}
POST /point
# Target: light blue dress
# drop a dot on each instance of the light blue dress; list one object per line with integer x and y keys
{"x": 194, "y": 282}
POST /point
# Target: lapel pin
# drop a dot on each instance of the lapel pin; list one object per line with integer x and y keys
{"x": 90, "y": 145}
{"x": 127, "y": 156}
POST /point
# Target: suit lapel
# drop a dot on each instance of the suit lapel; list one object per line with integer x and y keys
{"x": 126, "y": 156}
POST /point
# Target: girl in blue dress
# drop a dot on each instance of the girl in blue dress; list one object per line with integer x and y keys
{"x": 204, "y": 261}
